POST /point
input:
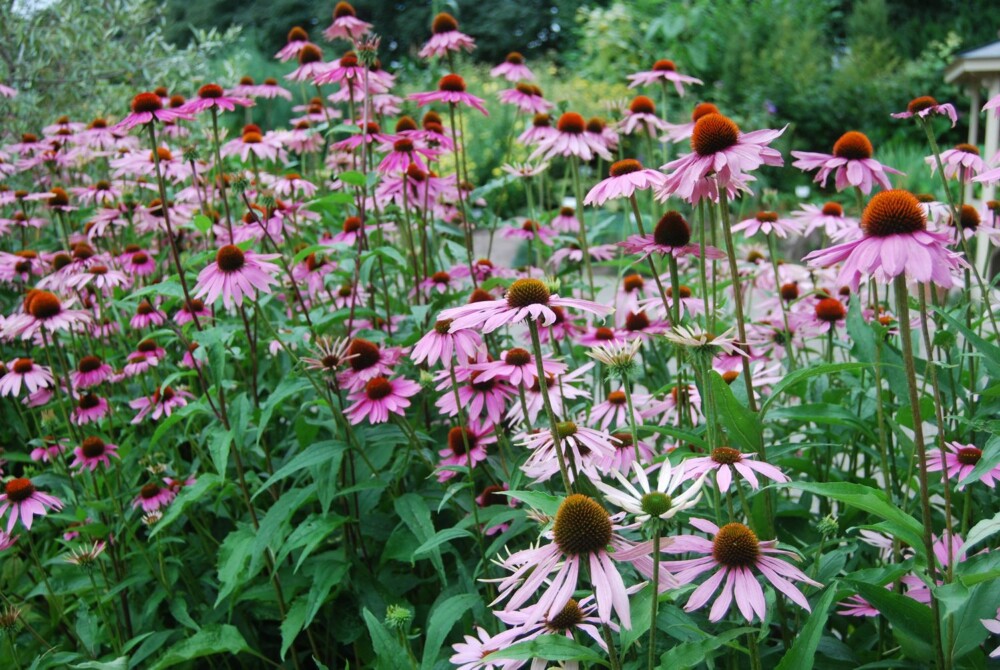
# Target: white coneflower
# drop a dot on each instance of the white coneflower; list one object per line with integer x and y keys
{"x": 704, "y": 341}
{"x": 617, "y": 355}
{"x": 87, "y": 555}
{"x": 646, "y": 502}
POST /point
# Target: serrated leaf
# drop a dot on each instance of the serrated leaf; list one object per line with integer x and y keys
{"x": 873, "y": 501}
{"x": 551, "y": 648}
{"x": 386, "y": 646}
{"x": 803, "y": 651}
{"x": 210, "y": 640}
{"x": 443, "y": 618}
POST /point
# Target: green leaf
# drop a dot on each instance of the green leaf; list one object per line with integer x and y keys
{"x": 210, "y": 640}
{"x": 188, "y": 495}
{"x": 316, "y": 454}
{"x": 352, "y": 177}
{"x": 202, "y": 222}
{"x": 179, "y": 610}
{"x": 286, "y": 389}
{"x": 803, "y": 651}
{"x": 233, "y": 556}
{"x": 308, "y": 535}
{"x": 873, "y": 501}
{"x": 911, "y": 621}
{"x": 551, "y": 648}
{"x": 292, "y": 625}
{"x": 543, "y": 502}
{"x": 690, "y": 654}
{"x": 675, "y": 433}
{"x": 414, "y": 512}
{"x": 390, "y": 654}
{"x": 219, "y": 448}
{"x": 801, "y": 375}
{"x": 86, "y": 628}
{"x": 989, "y": 353}
{"x": 443, "y": 617}
{"x": 439, "y": 538}
{"x": 120, "y": 663}
{"x": 742, "y": 425}
{"x": 984, "y": 529}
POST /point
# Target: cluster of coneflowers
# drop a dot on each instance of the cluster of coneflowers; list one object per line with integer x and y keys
{"x": 133, "y": 252}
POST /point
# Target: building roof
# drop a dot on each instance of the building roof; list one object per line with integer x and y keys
{"x": 975, "y": 64}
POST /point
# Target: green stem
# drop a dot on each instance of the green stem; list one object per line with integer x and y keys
{"x": 544, "y": 388}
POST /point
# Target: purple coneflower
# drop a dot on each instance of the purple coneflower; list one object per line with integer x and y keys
{"x": 963, "y": 162}
{"x": 89, "y": 409}
{"x": 476, "y": 435}
{"x": 161, "y": 404}
{"x": 152, "y": 497}
{"x": 451, "y": 89}
{"x": 346, "y": 24}
{"x": 379, "y": 398}
{"x": 528, "y": 98}
{"x": 672, "y": 235}
{"x": 146, "y": 108}
{"x": 663, "y": 71}
{"x": 725, "y": 460}
{"x": 92, "y": 452}
{"x": 24, "y": 372}
{"x": 446, "y": 38}
{"x": 926, "y": 105}
{"x": 513, "y": 69}
{"x": 526, "y": 298}
{"x": 476, "y": 397}
{"x": 959, "y": 463}
{"x": 896, "y": 242}
{"x": 516, "y": 366}
{"x": 43, "y": 311}
{"x": 851, "y": 161}
{"x": 25, "y": 502}
{"x": 570, "y": 138}
{"x": 235, "y": 274}
{"x": 767, "y": 223}
{"x": 734, "y": 553}
{"x": 641, "y": 117}
{"x": 624, "y": 178}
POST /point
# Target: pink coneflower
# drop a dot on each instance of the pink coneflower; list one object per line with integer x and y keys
{"x": 614, "y": 410}
{"x": 962, "y": 162}
{"x": 581, "y": 536}
{"x": 725, "y": 460}
{"x": 146, "y": 315}
{"x": 672, "y": 235}
{"x": 513, "y": 69}
{"x": 89, "y": 409}
{"x": 402, "y": 153}
{"x": 993, "y": 625}
{"x": 959, "y": 462}
{"x": 735, "y": 553}
{"x": 830, "y": 219}
{"x": 477, "y": 435}
{"x": 446, "y": 38}
{"x": 25, "y": 501}
{"x": 588, "y": 449}
{"x": 851, "y": 161}
{"x": 152, "y": 497}
{"x": 235, "y": 274}
{"x": 469, "y": 654}
{"x": 526, "y": 298}
{"x": 625, "y": 178}
{"x": 24, "y": 371}
{"x": 926, "y": 105}
{"x": 146, "y": 108}
{"x": 767, "y": 223}
{"x": 489, "y": 396}
{"x": 516, "y": 366}
{"x": 528, "y": 98}
{"x": 440, "y": 344}
{"x": 311, "y": 63}
{"x": 719, "y": 149}
{"x": 213, "y": 96}
{"x": 296, "y": 40}
{"x": 367, "y": 361}
{"x": 530, "y": 230}
{"x": 43, "y": 311}
{"x": 539, "y": 130}
{"x": 49, "y": 449}
{"x": 566, "y": 220}
{"x": 92, "y": 452}
{"x": 100, "y": 277}
{"x": 346, "y": 25}
{"x": 147, "y": 354}
{"x": 572, "y": 253}
{"x": 292, "y": 184}
{"x": 270, "y": 89}
{"x": 663, "y": 71}
{"x": 641, "y": 117}
{"x": 90, "y": 371}
{"x": 161, "y": 404}
{"x": 7, "y": 91}
{"x": 345, "y": 71}
{"x": 379, "y": 398}
{"x": 7, "y": 541}
{"x": 190, "y": 310}
{"x": 264, "y": 146}
{"x": 100, "y": 192}
{"x": 896, "y": 242}
{"x": 451, "y": 89}
{"x": 571, "y": 138}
